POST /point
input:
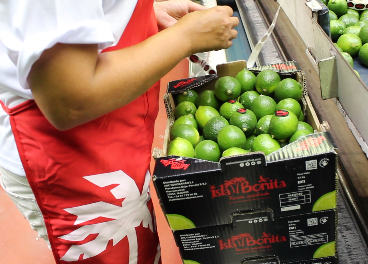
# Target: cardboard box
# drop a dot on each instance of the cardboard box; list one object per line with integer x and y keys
{"x": 288, "y": 182}
{"x": 214, "y": 199}
{"x": 256, "y": 238}
{"x": 275, "y": 260}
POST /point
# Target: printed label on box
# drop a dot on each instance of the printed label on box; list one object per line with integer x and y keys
{"x": 289, "y": 238}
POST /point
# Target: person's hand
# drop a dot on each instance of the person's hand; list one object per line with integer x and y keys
{"x": 169, "y": 12}
{"x": 210, "y": 29}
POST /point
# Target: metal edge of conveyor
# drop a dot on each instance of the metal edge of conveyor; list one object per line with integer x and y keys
{"x": 347, "y": 188}
{"x": 349, "y": 197}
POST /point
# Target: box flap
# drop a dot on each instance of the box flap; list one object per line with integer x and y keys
{"x": 179, "y": 86}
{"x": 169, "y": 166}
{"x": 310, "y": 145}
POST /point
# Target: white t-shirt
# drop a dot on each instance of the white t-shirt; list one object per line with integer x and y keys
{"x": 28, "y": 27}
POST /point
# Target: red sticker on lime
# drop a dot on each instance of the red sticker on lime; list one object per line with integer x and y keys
{"x": 282, "y": 113}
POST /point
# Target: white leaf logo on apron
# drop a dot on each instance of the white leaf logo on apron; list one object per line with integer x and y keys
{"x": 131, "y": 214}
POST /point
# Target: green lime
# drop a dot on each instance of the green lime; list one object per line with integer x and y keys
{"x": 364, "y": 18}
{"x": 299, "y": 134}
{"x": 326, "y": 250}
{"x": 338, "y": 47}
{"x": 181, "y": 147}
{"x": 245, "y": 119}
{"x": 203, "y": 114}
{"x": 363, "y": 54}
{"x": 337, "y": 28}
{"x": 231, "y": 136}
{"x": 332, "y": 15}
{"x": 325, "y": 202}
{"x": 340, "y": 7}
{"x": 363, "y": 34}
{"x": 350, "y": 43}
{"x": 234, "y": 151}
{"x": 208, "y": 98}
{"x": 288, "y": 88}
{"x": 304, "y": 126}
{"x": 283, "y": 124}
{"x": 263, "y": 125}
{"x": 249, "y": 142}
{"x": 352, "y": 29}
{"x": 363, "y": 14}
{"x": 179, "y": 222}
{"x": 230, "y": 107}
{"x": 266, "y": 81}
{"x": 227, "y": 88}
{"x": 208, "y": 150}
{"x": 357, "y": 73}
{"x": 247, "y": 80}
{"x": 247, "y": 98}
{"x": 189, "y": 95}
{"x": 263, "y": 105}
{"x": 301, "y": 117}
{"x": 348, "y": 58}
{"x": 184, "y": 108}
{"x": 353, "y": 12}
{"x": 201, "y": 138}
{"x": 186, "y": 119}
{"x": 186, "y": 261}
{"x": 289, "y": 104}
{"x": 185, "y": 131}
{"x": 265, "y": 143}
{"x": 213, "y": 127}
{"x": 349, "y": 19}
{"x": 361, "y": 23}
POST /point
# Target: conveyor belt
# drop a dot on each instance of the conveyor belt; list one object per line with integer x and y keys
{"x": 352, "y": 244}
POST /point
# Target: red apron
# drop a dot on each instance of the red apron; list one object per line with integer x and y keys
{"x": 91, "y": 182}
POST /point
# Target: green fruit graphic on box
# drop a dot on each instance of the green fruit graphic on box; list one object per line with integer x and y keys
{"x": 326, "y": 250}
{"x": 325, "y": 202}
{"x": 190, "y": 262}
{"x": 179, "y": 222}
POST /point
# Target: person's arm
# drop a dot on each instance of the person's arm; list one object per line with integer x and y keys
{"x": 74, "y": 84}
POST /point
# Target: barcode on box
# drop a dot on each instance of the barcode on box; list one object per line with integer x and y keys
{"x": 311, "y": 165}
{"x": 312, "y": 221}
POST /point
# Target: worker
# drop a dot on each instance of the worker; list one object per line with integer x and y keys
{"x": 79, "y": 86}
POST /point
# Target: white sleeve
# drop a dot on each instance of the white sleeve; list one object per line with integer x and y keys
{"x": 28, "y": 27}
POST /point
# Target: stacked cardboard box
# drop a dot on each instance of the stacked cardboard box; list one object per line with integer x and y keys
{"x": 252, "y": 208}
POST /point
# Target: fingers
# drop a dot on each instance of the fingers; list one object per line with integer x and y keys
{"x": 233, "y": 34}
{"x": 228, "y": 12}
{"x": 227, "y": 9}
{"x": 234, "y": 21}
{"x": 195, "y": 7}
{"x": 210, "y": 29}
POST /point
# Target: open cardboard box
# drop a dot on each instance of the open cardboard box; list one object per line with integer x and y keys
{"x": 295, "y": 181}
